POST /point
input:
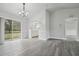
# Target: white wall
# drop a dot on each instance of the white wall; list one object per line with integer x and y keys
{"x": 52, "y": 23}
{"x": 2, "y": 21}
{"x": 25, "y": 28}
{"x": 42, "y": 32}
{"x": 0, "y": 33}
{"x": 47, "y": 18}
{"x": 57, "y": 21}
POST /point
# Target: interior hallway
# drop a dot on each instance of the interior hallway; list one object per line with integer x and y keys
{"x": 36, "y": 47}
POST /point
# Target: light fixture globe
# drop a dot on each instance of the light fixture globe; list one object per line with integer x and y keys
{"x": 23, "y": 12}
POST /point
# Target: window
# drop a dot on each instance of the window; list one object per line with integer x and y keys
{"x": 12, "y": 30}
{"x": 71, "y": 26}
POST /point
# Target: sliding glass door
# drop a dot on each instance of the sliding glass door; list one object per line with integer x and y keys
{"x": 16, "y": 30}
{"x": 12, "y": 30}
{"x": 8, "y": 29}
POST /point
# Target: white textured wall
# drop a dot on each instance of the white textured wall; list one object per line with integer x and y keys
{"x": 42, "y": 32}
{"x": 57, "y": 21}
{"x": 25, "y": 29}
{"x": 0, "y": 31}
{"x": 2, "y": 22}
{"x": 47, "y": 18}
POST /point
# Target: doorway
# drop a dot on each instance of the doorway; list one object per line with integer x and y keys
{"x": 34, "y": 29}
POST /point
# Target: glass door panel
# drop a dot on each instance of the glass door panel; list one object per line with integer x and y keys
{"x": 16, "y": 28}
{"x": 8, "y": 29}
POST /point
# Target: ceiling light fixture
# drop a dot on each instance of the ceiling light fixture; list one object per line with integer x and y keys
{"x": 23, "y": 12}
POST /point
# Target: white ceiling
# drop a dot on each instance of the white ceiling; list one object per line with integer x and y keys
{"x": 34, "y": 8}
{"x": 57, "y": 6}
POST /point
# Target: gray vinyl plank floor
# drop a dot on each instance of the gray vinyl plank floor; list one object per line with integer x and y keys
{"x": 40, "y": 48}
{"x": 54, "y": 48}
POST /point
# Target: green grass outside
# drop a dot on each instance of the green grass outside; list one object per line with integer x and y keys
{"x": 9, "y": 36}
